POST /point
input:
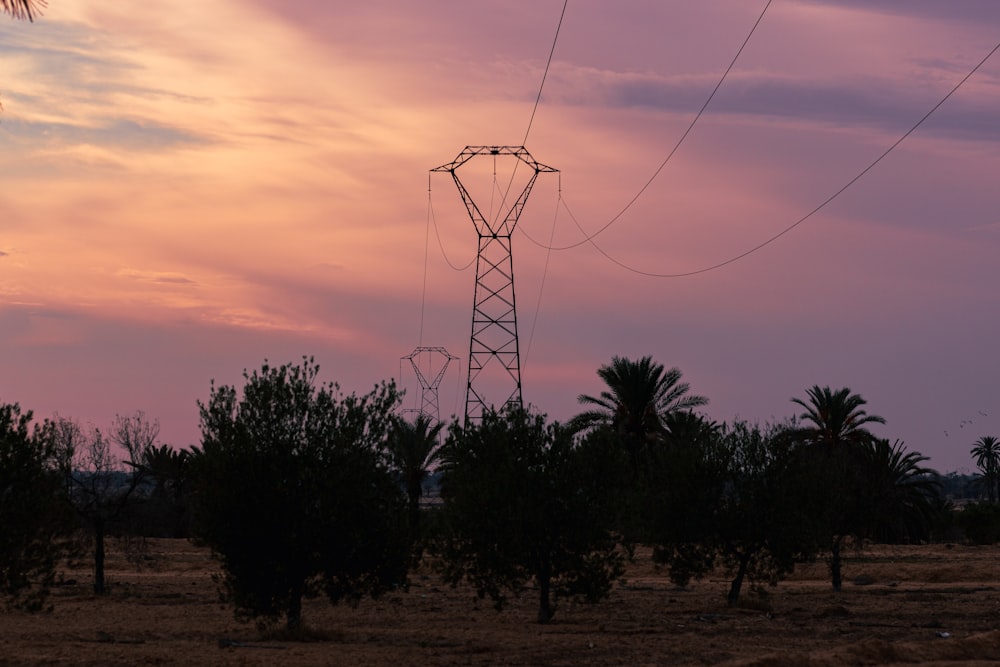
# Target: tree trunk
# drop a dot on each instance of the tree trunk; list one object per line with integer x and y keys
{"x": 294, "y": 614}
{"x": 835, "y": 563}
{"x": 99, "y": 529}
{"x": 545, "y": 610}
{"x": 737, "y": 585}
{"x": 415, "y": 514}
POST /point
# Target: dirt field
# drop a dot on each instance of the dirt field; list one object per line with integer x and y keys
{"x": 928, "y": 605}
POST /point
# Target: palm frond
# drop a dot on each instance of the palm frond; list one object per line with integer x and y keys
{"x": 836, "y": 417}
{"x": 23, "y": 9}
{"x": 639, "y": 395}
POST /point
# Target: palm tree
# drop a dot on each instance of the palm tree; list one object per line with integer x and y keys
{"x": 690, "y": 429}
{"x": 899, "y": 494}
{"x": 167, "y": 467}
{"x": 836, "y": 417}
{"x": 22, "y": 9}
{"x": 170, "y": 469}
{"x": 639, "y": 397}
{"x": 834, "y": 438}
{"x": 987, "y": 453}
{"x": 413, "y": 448}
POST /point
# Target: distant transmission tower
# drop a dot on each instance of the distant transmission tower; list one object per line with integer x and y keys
{"x": 493, "y": 342}
{"x": 429, "y": 362}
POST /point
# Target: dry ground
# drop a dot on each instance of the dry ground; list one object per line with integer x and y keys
{"x": 928, "y": 605}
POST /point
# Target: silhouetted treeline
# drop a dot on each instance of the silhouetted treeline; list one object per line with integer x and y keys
{"x": 302, "y": 490}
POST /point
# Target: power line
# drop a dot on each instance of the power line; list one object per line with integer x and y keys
{"x": 589, "y": 237}
{"x": 437, "y": 233}
{"x": 531, "y": 120}
{"x": 805, "y": 217}
{"x": 534, "y": 110}
{"x": 427, "y": 250}
{"x": 541, "y": 288}
{"x": 545, "y": 73}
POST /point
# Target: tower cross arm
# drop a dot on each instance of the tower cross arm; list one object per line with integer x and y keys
{"x": 520, "y": 152}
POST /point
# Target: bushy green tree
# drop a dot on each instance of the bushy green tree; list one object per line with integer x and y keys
{"x": 34, "y": 522}
{"x": 980, "y": 521}
{"x": 766, "y": 523}
{"x": 293, "y": 495}
{"x": 527, "y": 501}
{"x": 740, "y": 500}
{"x": 674, "y": 498}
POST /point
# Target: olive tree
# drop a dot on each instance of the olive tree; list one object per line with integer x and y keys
{"x": 738, "y": 496}
{"x": 527, "y": 501}
{"x": 293, "y": 495}
{"x": 33, "y": 517}
{"x": 765, "y": 522}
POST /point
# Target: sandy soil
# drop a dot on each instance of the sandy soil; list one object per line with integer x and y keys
{"x": 928, "y": 605}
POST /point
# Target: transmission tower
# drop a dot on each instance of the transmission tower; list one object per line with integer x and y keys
{"x": 493, "y": 342}
{"x": 424, "y": 361}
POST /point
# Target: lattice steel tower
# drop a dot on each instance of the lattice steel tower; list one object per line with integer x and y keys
{"x": 493, "y": 342}
{"x": 429, "y": 362}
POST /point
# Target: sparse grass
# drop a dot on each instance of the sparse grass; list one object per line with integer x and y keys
{"x": 170, "y": 614}
{"x": 302, "y": 634}
{"x": 755, "y": 602}
{"x": 864, "y": 580}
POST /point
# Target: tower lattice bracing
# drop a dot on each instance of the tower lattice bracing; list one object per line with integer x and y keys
{"x": 429, "y": 365}
{"x": 493, "y": 344}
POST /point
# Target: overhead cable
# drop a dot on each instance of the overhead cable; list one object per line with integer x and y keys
{"x": 588, "y": 237}
{"x": 545, "y": 73}
{"x": 811, "y": 213}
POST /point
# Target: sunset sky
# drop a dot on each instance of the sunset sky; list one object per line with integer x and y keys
{"x": 190, "y": 188}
